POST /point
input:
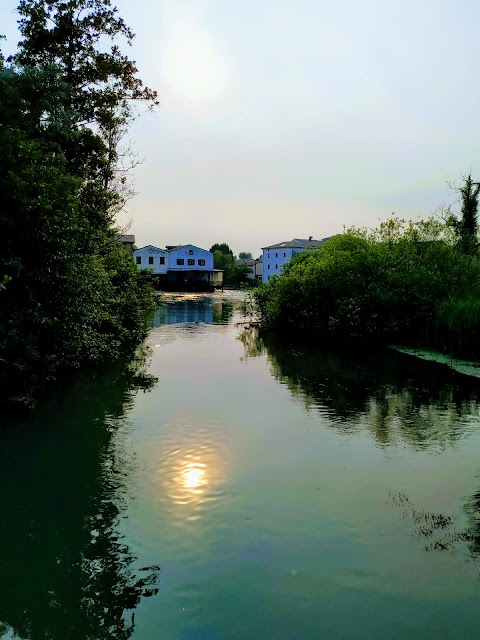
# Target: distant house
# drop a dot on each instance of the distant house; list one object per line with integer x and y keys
{"x": 128, "y": 241}
{"x": 180, "y": 267}
{"x": 275, "y": 256}
{"x": 254, "y": 266}
{"x": 188, "y": 257}
{"x": 151, "y": 257}
{"x": 259, "y": 268}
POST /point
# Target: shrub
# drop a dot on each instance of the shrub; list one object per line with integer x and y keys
{"x": 401, "y": 282}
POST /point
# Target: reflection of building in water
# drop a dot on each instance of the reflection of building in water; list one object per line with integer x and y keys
{"x": 183, "y": 313}
{"x": 196, "y": 311}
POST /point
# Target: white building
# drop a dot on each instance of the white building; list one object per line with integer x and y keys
{"x": 189, "y": 257}
{"x": 151, "y": 257}
{"x": 277, "y": 255}
{"x": 180, "y": 267}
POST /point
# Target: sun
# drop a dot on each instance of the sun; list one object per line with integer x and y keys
{"x": 191, "y": 65}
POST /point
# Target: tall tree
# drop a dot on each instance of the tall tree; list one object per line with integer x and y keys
{"x": 466, "y": 227}
{"x": 103, "y": 83}
{"x": 69, "y": 292}
{"x": 70, "y": 34}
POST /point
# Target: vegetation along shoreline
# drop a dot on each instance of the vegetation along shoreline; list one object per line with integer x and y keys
{"x": 415, "y": 284}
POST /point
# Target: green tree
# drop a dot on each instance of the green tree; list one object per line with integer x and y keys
{"x": 225, "y": 262}
{"x": 70, "y": 293}
{"x": 405, "y": 282}
{"x": 71, "y": 34}
{"x": 241, "y": 275}
{"x": 466, "y": 227}
{"x": 223, "y": 258}
{"x": 222, "y": 248}
{"x": 103, "y": 83}
{"x": 245, "y": 255}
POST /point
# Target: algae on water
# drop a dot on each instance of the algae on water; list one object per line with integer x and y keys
{"x": 467, "y": 367}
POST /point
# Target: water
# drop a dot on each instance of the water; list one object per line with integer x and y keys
{"x": 228, "y": 487}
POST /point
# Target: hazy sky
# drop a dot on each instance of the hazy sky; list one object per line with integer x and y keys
{"x": 285, "y": 118}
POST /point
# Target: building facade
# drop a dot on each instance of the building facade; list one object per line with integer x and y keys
{"x": 180, "y": 267}
{"x": 188, "y": 257}
{"x": 276, "y": 256}
{"x": 151, "y": 257}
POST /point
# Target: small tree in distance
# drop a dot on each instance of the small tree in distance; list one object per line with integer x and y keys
{"x": 223, "y": 258}
{"x": 222, "y": 247}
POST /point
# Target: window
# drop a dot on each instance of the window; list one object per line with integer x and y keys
{"x": 276, "y": 266}
{"x": 139, "y": 259}
{"x": 162, "y": 260}
{"x": 190, "y": 252}
{"x": 150, "y": 260}
{"x": 180, "y": 261}
{"x": 201, "y": 263}
{"x": 284, "y": 255}
{"x": 269, "y": 254}
{"x": 269, "y": 266}
{"x": 276, "y": 255}
{"x": 191, "y": 262}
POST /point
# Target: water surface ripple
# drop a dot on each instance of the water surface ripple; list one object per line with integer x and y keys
{"x": 226, "y": 485}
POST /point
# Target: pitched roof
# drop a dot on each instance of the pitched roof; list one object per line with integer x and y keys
{"x": 150, "y": 247}
{"x": 174, "y": 247}
{"x": 122, "y": 237}
{"x": 297, "y": 243}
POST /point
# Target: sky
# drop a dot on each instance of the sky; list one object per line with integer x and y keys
{"x": 283, "y": 119}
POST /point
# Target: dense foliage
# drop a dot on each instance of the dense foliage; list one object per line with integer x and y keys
{"x": 69, "y": 292}
{"x": 409, "y": 283}
{"x": 224, "y": 259}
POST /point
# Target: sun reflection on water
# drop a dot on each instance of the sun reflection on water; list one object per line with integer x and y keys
{"x": 192, "y": 476}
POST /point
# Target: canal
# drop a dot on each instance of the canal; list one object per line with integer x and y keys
{"x": 226, "y": 486}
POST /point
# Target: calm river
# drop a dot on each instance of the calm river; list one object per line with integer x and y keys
{"x": 226, "y": 487}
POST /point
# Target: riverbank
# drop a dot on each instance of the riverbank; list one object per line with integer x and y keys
{"x": 404, "y": 283}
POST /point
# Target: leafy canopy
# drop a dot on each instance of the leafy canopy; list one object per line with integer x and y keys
{"x": 403, "y": 282}
{"x": 70, "y": 34}
{"x": 70, "y": 294}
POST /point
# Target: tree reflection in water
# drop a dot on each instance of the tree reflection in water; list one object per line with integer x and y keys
{"x": 393, "y": 396}
{"x": 397, "y": 399}
{"x": 66, "y": 572}
{"x": 472, "y": 507}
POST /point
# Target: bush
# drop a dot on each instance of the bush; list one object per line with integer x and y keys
{"x": 402, "y": 282}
